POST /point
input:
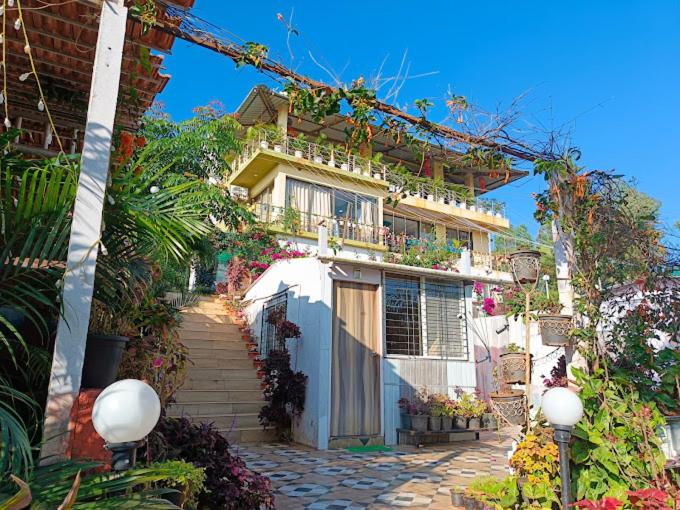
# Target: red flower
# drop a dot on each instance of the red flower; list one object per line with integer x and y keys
{"x": 603, "y": 504}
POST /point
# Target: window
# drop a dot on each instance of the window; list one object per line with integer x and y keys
{"x": 277, "y": 303}
{"x": 445, "y": 319}
{"x": 436, "y": 327}
{"x": 346, "y": 214}
{"x": 402, "y": 315}
{"x": 462, "y": 236}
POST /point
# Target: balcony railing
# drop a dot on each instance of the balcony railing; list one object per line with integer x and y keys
{"x": 352, "y": 164}
{"x": 318, "y": 153}
{"x": 294, "y": 221}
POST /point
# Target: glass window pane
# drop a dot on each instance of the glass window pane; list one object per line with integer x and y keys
{"x": 411, "y": 228}
{"x": 445, "y": 319}
{"x": 402, "y": 315}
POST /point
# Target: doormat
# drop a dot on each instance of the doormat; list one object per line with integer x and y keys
{"x": 369, "y": 448}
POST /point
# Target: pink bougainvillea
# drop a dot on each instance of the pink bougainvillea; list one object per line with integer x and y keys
{"x": 478, "y": 288}
{"x": 489, "y": 305}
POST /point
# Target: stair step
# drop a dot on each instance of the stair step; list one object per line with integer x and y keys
{"x": 236, "y": 352}
{"x": 244, "y": 383}
{"x": 196, "y": 373}
{"x": 219, "y": 395}
{"x": 196, "y": 409}
{"x": 191, "y": 316}
{"x": 210, "y": 326}
{"x": 194, "y": 339}
{"x": 243, "y": 435}
{"x": 227, "y": 421}
{"x": 206, "y": 306}
{"x": 243, "y": 362}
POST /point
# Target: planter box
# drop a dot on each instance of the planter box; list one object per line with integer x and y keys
{"x": 513, "y": 367}
{"x": 510, "y": 406}
{"x": 555, "y": 330}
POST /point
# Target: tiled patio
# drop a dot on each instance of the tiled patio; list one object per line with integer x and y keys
{"x": 404, "y": 477}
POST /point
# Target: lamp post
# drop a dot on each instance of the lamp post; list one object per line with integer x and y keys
{"x": 546, "y": 280}
{"x": 563, "y": 409}
{"x": 124, "y": 414}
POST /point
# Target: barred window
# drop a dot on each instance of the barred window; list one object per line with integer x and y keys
{"x": 436, "y": 328}
{"x": 445, "y": 319}
{"x": 402, "y": 315}
{"x": 276, "y": 304}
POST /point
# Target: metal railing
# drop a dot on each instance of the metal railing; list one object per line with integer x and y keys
{"x": 294, "y": 221}
{"x": 318, "y": 153}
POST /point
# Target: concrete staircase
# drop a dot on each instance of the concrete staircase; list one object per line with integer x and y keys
{"x": 223, "y": 385}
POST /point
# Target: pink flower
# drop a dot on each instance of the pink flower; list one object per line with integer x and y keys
{"x": 489, "y": 305}
{"x": 478, "y": 288}
{"x": 157, "y": 362}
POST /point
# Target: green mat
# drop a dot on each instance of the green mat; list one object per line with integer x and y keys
{"x": 369, "y": 448}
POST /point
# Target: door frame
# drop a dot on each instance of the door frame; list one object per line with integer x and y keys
{"x": 377, "y": 284}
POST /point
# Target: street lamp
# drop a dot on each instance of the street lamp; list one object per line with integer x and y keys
{"x": 563, "y": 409}
{"x": 124, "y": 414}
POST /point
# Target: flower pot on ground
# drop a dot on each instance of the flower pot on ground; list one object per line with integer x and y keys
{"x": 457, "y": 497}
{"x": 103, "y": 354}
{"x": 435, "y": 422}
{"x": 555, "y": 329}
{"x": 525, "y": 265}
{"x": 447, "y": 423}
{"x": 510, "y": 406}
{"x": 460, "y": 422}
{"x": 470, "y": 503}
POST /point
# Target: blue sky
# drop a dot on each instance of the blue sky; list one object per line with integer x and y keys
{"x": 608, "y": 70}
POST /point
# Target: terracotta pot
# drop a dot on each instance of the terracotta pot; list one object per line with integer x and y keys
{"x": 447, "y": 423}
{"x": 419, "y": 422}
{"x": 510, "y": 405}
{"x": 555, "y": 329}
{"x": 525, "y": 265}
{"x": 435, "y": 422}
{"x": 512, "y": 367}
{"x": 459, "y": 422}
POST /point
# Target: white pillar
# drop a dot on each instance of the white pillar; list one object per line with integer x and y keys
{"x": 69, "y": 348}
{"x": 323, "y": 240}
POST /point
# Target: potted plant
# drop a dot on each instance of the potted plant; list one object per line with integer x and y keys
{"x": 376, "y": 162}
{"x": 489, "y": 421}
{"x": 449, "y": 413}
{"x": 188, "y": 480}
{"x": 106, "y": 340}
{"x": 458, "y": 496}
{"x": 436, "y": 410}
{"x": 299, "y": 145}
{"x": 509, "y": 404}
{"x": 513, "y": 365}
{"x": 406, "y": 408}
{"x": 555, "y": 329}
{"x": 476, "y": 410}
{"x": 525, "y": 265}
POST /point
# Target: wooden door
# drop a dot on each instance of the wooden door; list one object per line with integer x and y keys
{"x": 355, "y": 366}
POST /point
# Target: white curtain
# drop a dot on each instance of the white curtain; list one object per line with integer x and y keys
{"x": 368, "y": 213}
{"x": 313, "y": 202}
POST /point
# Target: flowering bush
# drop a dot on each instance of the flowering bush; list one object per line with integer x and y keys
{"x": 558, "y": 375}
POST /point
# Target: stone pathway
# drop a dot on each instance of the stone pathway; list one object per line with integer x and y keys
{"x": 404, "y": 477}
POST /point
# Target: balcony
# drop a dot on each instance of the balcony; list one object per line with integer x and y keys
{"x": 246, "y": 171}
{"x": 293, "y": 222}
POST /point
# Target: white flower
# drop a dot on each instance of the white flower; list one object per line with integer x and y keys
{"x": 8, "y": 123}
{"x": 17, "y": 24}
{"x": 27, "y": 49}
{"x": 41, "y": 105}
{"x": 24, "y": 76}
{"x": 154, "y": 190}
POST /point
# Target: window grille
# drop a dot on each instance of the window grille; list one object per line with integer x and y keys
{"x": 445, "y": 319}
{"x": 402, "y": 315}
{"x": 276, "y": 303}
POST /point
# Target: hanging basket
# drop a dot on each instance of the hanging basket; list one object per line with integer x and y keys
{"x": 525, "y": 265}
{"x": 555, "y": 330}
{"x": 513, "y": 367}
{"x": 509, "y": 406}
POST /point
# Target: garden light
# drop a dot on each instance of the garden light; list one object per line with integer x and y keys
{"x": 563, "y": 409}
{"x": 124, "y": 414}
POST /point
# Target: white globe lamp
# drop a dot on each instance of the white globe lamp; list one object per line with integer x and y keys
{"x": 124, "y": 414}
{"x": 563, "y": 409}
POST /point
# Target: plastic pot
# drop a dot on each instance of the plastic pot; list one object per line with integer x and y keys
{"x": 419, "y": 422}
{"x": 470, "y": 503}
{"x": 447, "y": 423}
{"x": 474, "y": 423}
{"x": 525, "y": 265}
{"x": 459, "y": 422}
{"x": 512, "y": 367}
{"x": 405, "y": 421}
{"x": 103, "y": 354}
{"x": 510, "y": 405}
{"x": 435, "y": 422}
{"x": 457, "y": 499}
{"x": 555, "y": 330}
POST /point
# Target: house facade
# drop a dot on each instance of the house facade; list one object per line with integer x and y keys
{"x": 378, "y": 320}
